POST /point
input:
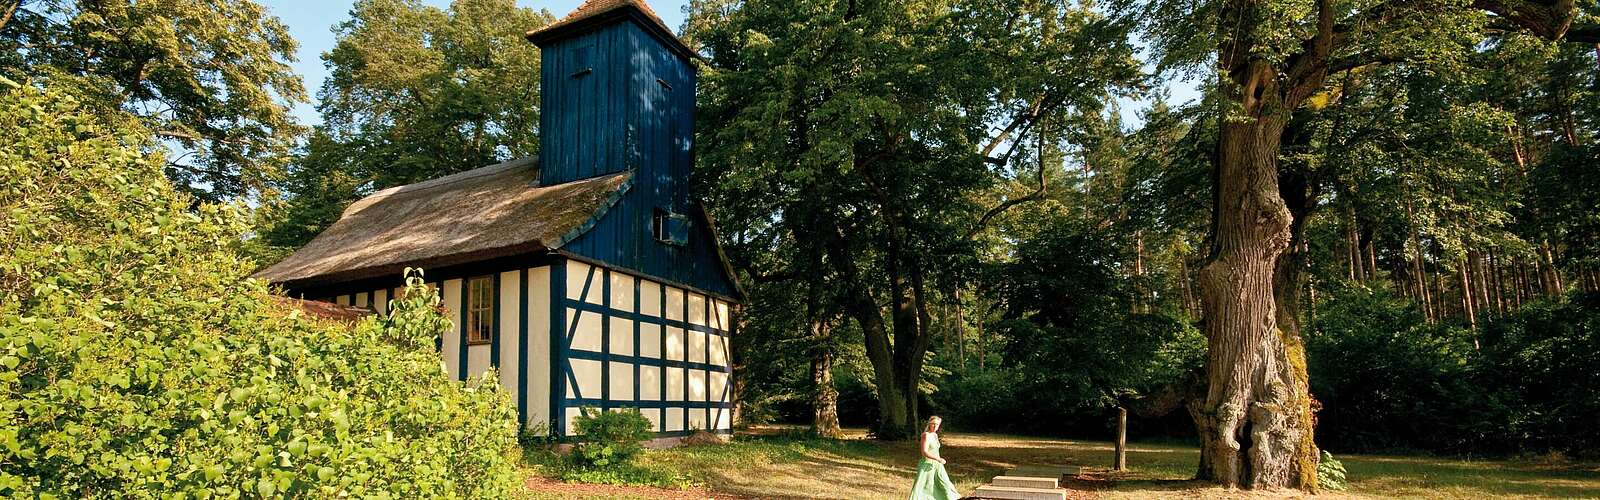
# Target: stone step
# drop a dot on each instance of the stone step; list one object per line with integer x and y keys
{"x": 1015, "y": 493}
{"x": 1027, "y": 482}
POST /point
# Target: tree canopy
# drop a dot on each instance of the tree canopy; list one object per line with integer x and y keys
{"x": 210, "y": 79}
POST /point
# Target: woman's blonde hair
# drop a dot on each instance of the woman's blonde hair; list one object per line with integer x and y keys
{"x": 931, "y": 420}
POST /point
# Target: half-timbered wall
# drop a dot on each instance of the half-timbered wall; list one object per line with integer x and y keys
{"x": 618, "y": 341}
{"x": 634, "y": 343}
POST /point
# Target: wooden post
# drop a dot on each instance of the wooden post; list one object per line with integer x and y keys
{"x": 1120, "y": 462}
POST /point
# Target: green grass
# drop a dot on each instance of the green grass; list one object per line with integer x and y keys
{"x": 781, "y": 464}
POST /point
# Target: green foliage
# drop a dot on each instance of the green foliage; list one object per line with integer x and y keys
{"x": 137, "y": 360}
{"x": 608, "y": 452}
{"x": 1543, "y": 367}
{"x": 851, "y": 143}
{"x": 414, "y": 92}
{"x": 414, "y": 321}
{"x": 1388, "y": 380}
{"x": 1074, "y": 343}
{"x": 1331, "y": 474}
{"x": 609, "y": 438}
{"x": 209, "y": 77}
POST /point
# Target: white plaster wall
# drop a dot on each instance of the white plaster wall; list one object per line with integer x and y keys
{"x": 538, "y": 389}
{"x": 621, "y": 381}
{"x": 621, "y": 292}
{"x": 478, "y": 359}
{"x": 674, "y": 383}
{"x": 381, "y": 301}
{"x": 621, "y": 332}
{"x": 587, "y": 337}
{"x": 674, "y": 419}
{"x": 697, "y": 346}
{"x": 649, "y": 383}
{"x": 510, "y": 322}
{"x": 649, "y": 340}
{"x": 674, "y": 304}
{"x": 451, "y": 348}
{"x": 650, "y": 298}
{"x": 697, "y": 309}
{"x": 587, "y": 374}
{"x": 697, "y": 418}
{"x": 719, "y": 350}
{"x": 675, "y": 343}
{"x": 697, "y": 385}
{"x": 577, "y": 273}
{"x": 718, "y": 386}
{"x": 653, "y": 415}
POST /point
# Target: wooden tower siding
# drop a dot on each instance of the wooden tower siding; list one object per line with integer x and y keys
{"x": 618, "y": 97}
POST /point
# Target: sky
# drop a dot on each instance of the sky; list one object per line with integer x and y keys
{"x": 311, "y": 23}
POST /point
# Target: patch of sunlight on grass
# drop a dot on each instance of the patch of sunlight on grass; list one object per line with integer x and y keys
{"x": 785, "y": 464}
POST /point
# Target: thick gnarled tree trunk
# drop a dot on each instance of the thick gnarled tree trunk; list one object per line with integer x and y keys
{"x": 1255, "y": 418}
{"x": 825, "y": 399}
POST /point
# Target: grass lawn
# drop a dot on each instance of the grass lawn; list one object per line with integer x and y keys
{"x": 769, "y": 464}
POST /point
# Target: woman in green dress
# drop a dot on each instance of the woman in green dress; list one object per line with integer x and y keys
{"x": 932, "y": 482}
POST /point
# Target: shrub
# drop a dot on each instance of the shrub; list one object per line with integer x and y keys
{"x": 609, "y": 437}
{"x": 1330, "y": 473}
{"x": 136, "y": 360}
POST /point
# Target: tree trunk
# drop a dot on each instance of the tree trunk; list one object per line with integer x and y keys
{"x": 1551, "y": 275}
{"x": 1255, "y": 420}
{"x": 893, "y": 422}
{"x": 1189, "y": 306}
{"x": 961, "y": 331}
{"x": 1119, "y": 461}
{"x": 741, "y": 323}
{"x": 824, "y": 398}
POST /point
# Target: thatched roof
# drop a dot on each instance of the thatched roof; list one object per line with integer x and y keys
{"x": 597, "y": 12}
{"x": 493, "y": 211}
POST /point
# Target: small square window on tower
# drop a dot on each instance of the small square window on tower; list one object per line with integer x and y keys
{"x": 670, "y": 228}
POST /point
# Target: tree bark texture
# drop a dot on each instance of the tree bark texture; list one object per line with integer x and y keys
{"x": 824, "y": 398}
{"x": 1255, "y": 419}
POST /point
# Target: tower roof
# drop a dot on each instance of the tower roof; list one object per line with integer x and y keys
{"x": 595, "y": 13}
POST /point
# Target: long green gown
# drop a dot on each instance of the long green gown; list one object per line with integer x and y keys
{"x": 932, "y": 482}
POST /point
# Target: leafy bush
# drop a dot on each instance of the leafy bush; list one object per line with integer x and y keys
{"x": 1330, "y": 473}
{"x": 1388, "y": 380}
{"x": 1073, "y": 347}
{"x": 609, "y": 437}
{"x": 137, "y": 360}
{"x": 1542, "y": 365}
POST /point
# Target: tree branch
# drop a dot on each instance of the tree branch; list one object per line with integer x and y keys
{"x": 11, "y": 9}
{"x": 1037, "y": 194}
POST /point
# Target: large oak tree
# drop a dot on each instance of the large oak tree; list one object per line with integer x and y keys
{"x": 1270, "y": 56}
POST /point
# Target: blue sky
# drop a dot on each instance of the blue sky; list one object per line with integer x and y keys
{"x": 311, "y": 23}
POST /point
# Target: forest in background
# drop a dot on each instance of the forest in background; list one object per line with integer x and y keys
{"x": 937, "y": 206}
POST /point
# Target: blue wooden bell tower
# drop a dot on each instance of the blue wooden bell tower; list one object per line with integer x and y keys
{"x": 618, "y": 94}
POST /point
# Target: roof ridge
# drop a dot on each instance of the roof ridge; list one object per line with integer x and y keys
{"x": 595, "y": 8}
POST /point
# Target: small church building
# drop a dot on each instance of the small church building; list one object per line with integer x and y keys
{"x": 588, "y": 276}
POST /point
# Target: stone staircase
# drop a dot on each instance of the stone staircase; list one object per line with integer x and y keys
{"x": 1027, "y": 483}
